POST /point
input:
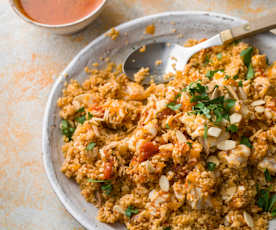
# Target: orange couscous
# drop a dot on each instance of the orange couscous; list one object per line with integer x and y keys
{"x": 198, "y": 152}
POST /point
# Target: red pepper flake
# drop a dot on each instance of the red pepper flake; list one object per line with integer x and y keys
{"x": 108, "y": 170}
{"x": 148, "y": 149}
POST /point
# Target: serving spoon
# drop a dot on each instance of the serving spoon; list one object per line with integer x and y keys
{"x": 172, "y": 57}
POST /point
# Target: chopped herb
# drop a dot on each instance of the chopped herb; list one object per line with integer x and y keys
{"x": 66, "y": 129}
{"x": 81, "y": 119}
{"x": 263, "y": 199}
{"x": 210, "y": 74}
{"x": 167, "y": 126}
{"x": 218, "y": 106}
{"x": 236, "y": 77}
{"x": 245, "y": 141}
{"x": 190, "y": 144}
{"x": 98, "y": 181}
{"x": 205, "y": 132}
{"x": 89, "y": 116}
{"x": 240, "y": 84}
{"x": 107, "y": 188}
{"x": 219, "y": 56}
{"x": 206, "y": 61}
{"x": 130, "y": 211}
{"x": 250, "y": 72}
{"x": 246, "y": 55}
{"x": 167, "y": 228}
{"x": 273, "y": 212}
{"x": 81, "y": 110}
{"x": 177, "y": 96}
{"x": 267, "y": 176}
{"x": 232, "y": 129}
{"x": 267, "y": 60}
{"x": 229, "y": 103}
{"x": 226, "y": 77}
{"x": 211, "y": 166}
{"x": 174, "y": 106}
{"x": 90, "y": 146}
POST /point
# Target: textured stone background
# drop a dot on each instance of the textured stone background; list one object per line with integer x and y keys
{"x": 30, "y": 60}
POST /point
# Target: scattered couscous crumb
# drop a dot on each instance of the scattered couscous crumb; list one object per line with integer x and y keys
{"x": 143, "y": 49}
{"x": 150, "y": 29}
{"x": 195, "y": 153}
{"x": 113, "y": 33}
{"x": 141, "y": 74}
{"x": 95, "y": 64}
{"x": 158, "y": 62}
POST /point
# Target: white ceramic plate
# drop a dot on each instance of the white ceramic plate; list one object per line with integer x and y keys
{"x": 195, "y": 25}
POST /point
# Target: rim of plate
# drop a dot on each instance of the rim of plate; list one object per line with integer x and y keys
{"x": 48, "y": 164}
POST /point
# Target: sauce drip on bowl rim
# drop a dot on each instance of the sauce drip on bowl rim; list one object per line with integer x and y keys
{"x": 57, "y": 12}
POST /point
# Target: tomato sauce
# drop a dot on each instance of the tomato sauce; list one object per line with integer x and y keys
{"x": 56, "y": 12}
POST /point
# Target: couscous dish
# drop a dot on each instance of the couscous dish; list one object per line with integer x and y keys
{"x": 198, "y": 152}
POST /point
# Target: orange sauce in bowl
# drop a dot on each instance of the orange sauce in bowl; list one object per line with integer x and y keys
{"x": 56, "y": 12}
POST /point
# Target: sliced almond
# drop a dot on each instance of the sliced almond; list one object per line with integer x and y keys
{"x": 152, "y": 194}
{"x": 149, "y": 167}
{"x": 235, "y": 118}
{"x": 180, "y": 137}
{"x": 258, "y": 102}
{"x": 242, "y": 94}
{"x": 214, "y": 132}
{"x": 213, "y": 159}
{"x": 259, "y": 109}
{"x": 164, "y": 183}
{"x": 118, "y": 209}
{"x": 248, "y": 219}
{"x": 229, "y": 193}
{"x": 226, "y": 145}
{"x": 232, "y": 91}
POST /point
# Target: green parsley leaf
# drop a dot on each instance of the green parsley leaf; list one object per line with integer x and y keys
{"x": 272, "y": 201}
{"x": 190, "y": 144}
{"x": 89, "y": 116}
{"x": 174, "y": 106}
{"x": 98, "y": 181}
{"x": 219, "y": 56}
{"x": 267, "y": 176}
{"x": 245, "y": 141}
{"x": 267, "y": 60}
{"x": 236, "y": 77}
{"x": 81, "y": 119}
{"x": 66, "y": 129}
{"x": 177, "y": 96}
{"x": 90, "y": 146}
{"x": 130, "y": 211}
{"x": 250, "y": 72}
{"x": 232, "y": 129}
{"x": 240, "y": 84}
{"x": 167, "y": 228}
{"x": 273, "y": 212}
{"x": 205, "y": 132}
{"x": 246, "y": 55}
{"x": 211, "y": 166}
{"x": 210, "y": 74}
{"x": 229, "y": 103}
{"x": 206, "y": 61}
{"x": 263, "y": 199}
{"x": 167, "y": 126}
{"x": 226, "y": 77}
{"x": 107, "y": 188}
{"x": 81, "y": 110}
